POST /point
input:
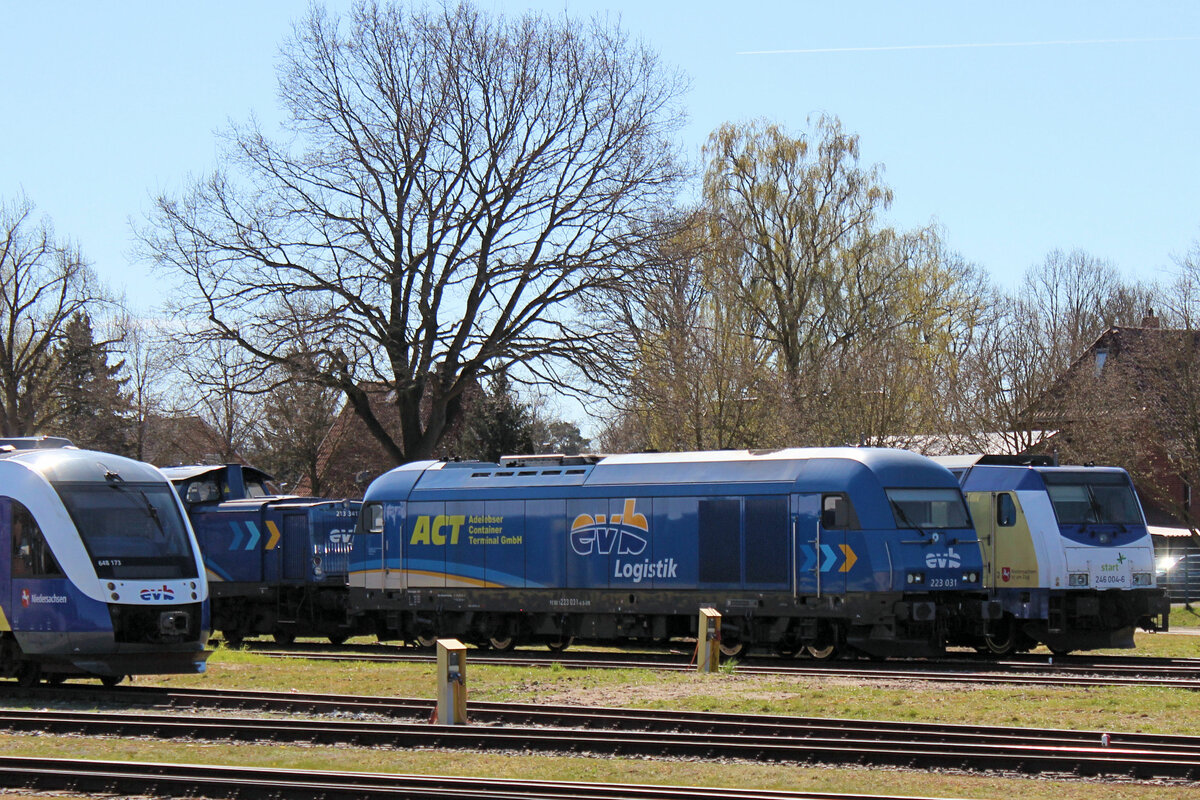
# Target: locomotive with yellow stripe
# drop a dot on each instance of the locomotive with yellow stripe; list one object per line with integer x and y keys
{"x": 1066, "y": 553}
{"x": 276, "y": 564}
{"x": 818, "y": 551}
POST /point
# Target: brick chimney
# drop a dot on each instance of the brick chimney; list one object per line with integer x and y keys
{"x": 1150, "y": 321}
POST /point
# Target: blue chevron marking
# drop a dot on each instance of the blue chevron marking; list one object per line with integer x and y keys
{"x": 830, "y": 557}
{"x": 254, "y": 536}
{"x": 237, "y": 536}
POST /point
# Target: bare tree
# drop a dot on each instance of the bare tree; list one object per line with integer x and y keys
{"x": 455, "y": 181}
{"x": 43, "y": 284}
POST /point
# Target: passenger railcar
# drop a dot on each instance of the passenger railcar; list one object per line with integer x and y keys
{"x": 277, "y": 564}
{"x": 1066, "y": 553}
{"x": 816, "y": 550}
{"x": 100, "y": 574}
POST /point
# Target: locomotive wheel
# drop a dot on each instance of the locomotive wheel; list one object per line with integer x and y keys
{"x": 29, "y": 674}
{"x": 233, "y": 637}
{"x": 425, "y": 641}
{"x": 338, "y": 639}
{"x": 109, "y": 681}
{"x": 284, "y": 637}
{"x": 736, "y": 647}
{"x": 502, "y": 643}
{"x": 826, "y": 652}
{"x": 1000, "y": 642}
{"x": 558, "y": 645}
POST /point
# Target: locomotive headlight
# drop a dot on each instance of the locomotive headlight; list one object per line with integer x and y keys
{"x": 116, "y": 596}
{"x": 1141, "y": 579}
{"x": 1105, "y": 537}
{"x": 916, "y": 578}
{"x": 1077, "y": 579}
{"x": 970, "y": 577}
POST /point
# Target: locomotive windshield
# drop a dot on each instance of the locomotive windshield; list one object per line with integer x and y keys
{"x": 928, "y": 508}
{"x": 131, "y": 530}
{"x": 1087, "y": 498}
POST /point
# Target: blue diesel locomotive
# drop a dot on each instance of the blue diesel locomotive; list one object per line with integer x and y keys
{"x": 813, "y": 550}
{"x": 100, "y": 574}
{"x": 1066, "y": 553}
{"x": 277, "y": 564}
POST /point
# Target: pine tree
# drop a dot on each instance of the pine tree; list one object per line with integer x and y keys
{"x": 94, "y": 412}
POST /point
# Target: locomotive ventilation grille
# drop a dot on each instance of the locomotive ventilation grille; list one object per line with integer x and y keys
{"x": 155, "y": 624}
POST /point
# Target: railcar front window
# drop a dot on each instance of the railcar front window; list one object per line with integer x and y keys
{"x": 131, "y": 530}
{"x": 928, "y": 508}
{"x": 1090, "y": 498}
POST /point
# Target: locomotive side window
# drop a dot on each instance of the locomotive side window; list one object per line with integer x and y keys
{"x": 203, "y": 491}
{"x": 837, "y": 512}
{"x": 1006, "y": 511}
{"x": 31, "y": 556}
{"x": 371, "y": 519}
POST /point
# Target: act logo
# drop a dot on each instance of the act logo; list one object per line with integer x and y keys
{"x": 165, "y": 593}
{"x": 948, "y": 559}
{"x": 25, "y": 598}
{"x": 623, "y": 534}
{"x": 1006, "y": 574}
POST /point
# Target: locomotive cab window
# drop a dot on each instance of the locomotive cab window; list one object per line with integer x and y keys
{"x": 928, "y": 508}
{"x": 837, "y": 512}
{"x": 31, "y": 556}
{"x": 1006, "y": 510}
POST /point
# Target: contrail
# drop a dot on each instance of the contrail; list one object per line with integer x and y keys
{"x": 964, "y": 46}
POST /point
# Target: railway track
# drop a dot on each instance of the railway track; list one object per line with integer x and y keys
{"x": 526, "y": 728}
{"x": 248, "y": 783}
{"x": 1030, "y": 670}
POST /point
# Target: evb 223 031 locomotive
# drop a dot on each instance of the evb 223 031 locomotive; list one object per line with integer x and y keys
{"x": 820, "y": 550}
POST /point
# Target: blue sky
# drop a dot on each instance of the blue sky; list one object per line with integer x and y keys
{"x": 1019, "y": 127}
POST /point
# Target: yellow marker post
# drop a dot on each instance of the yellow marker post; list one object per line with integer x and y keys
{"x": 452, "y": 682}
{"x": 708, "y": 642}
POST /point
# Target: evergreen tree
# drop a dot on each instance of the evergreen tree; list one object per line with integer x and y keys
{"x": 93, "y": 410}
{"x": 500, "y": 425}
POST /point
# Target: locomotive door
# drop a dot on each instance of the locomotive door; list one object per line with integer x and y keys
{"x": 806, "y": 544}
{"x": 983, "y": 511}
{"x": 296, "y": 547}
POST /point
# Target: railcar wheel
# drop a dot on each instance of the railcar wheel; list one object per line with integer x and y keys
{"x": 560, "y": 644}
{"x": 502, "y": 643}
{"x": 284, "y": 637}
{"x": 29, "y": 674}
{"x": 338, "y": 639}
{"x": 233, "y": 637}
{"x": 826, "y": 652}
{"x": 109, "y": 681}
{"x": 425, "y": 641}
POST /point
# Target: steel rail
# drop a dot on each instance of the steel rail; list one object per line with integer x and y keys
{"x": 219, "y": 781}
{"x": 861, "y": 743}
{"x": 1003, "y": 672}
